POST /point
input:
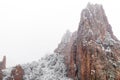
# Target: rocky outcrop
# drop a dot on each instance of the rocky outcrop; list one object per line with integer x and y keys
{"x": 3, "y": 63}
{"x": 15, "y": 73}
{"x": 96, "y": 44}
{"x": 2, "y": 66}
{"x": 93, "y": 53}
{"x": 64, "y": 48}
{"x": 1, "y": 75}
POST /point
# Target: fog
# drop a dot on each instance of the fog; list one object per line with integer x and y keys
{"x": 31, "y": 29}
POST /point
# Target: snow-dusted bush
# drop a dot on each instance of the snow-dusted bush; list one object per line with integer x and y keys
{"x": 7, "y": 73}
{"x": 51, "y": 67}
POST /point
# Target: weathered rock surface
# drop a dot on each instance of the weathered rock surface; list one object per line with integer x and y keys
{"x": 64, "y": 47}
{"x": 66, "y": 50}
{"x": 3, "y": 63}
{"x": 15, "y": 73}
{"x": 93, "y": 52}
{"x": 1, "y": 75}
{"x": 2, "y": 66}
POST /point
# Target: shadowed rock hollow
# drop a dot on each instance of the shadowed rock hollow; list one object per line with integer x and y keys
{"x": 92, "y": 52}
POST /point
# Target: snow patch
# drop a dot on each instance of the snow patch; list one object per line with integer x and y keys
{"x": 108, "y": 50}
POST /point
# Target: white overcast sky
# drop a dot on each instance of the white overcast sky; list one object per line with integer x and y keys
{"x": 29, "y": 29}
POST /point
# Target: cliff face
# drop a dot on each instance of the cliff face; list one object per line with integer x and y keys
{"x": 64, "y": 47}
{"x": 93, "y": 52}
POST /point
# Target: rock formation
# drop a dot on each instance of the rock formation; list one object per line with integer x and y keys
{"x": 15, "y": 73}
{"x": 2, "y": 66}
{"x": 93, "y": 52}
{"x": 1, "y": 75}
{"x": 64, "y": 47}
{"x": 3, "y": 63}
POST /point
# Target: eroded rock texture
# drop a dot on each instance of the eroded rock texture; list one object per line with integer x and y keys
{"x": 93, "y": 52}
{"x": 2, "y": 66}
{"x": 64, "y": 48}
{"x": 3, "y": 63}
{"x": 15, "y": 73}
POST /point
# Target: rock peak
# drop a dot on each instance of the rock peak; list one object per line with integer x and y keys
{"x": 66, "y": 37}
{"x": 94, "y": 24}
{"x": 93, "y": 52}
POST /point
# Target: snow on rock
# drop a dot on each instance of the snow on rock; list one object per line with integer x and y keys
{"x": 65, "y": 39}
{"x": 95, "y": 52}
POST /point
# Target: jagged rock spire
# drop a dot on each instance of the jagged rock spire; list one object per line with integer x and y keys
{"x": 96, "y": 46}
{"x": 94, "y": 52}
{"x": 94, "y": 24}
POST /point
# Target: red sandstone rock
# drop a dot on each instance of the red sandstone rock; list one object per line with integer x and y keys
{"x": 3, "y": 63}
{"x": 96, "y": 46}
{"x": 1, "y": 75}
{"x": 65, "y": 48}
{"x": 17, "y": 73}
{"x": 2, "y": 66}
{"x": 94, "y": 52}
